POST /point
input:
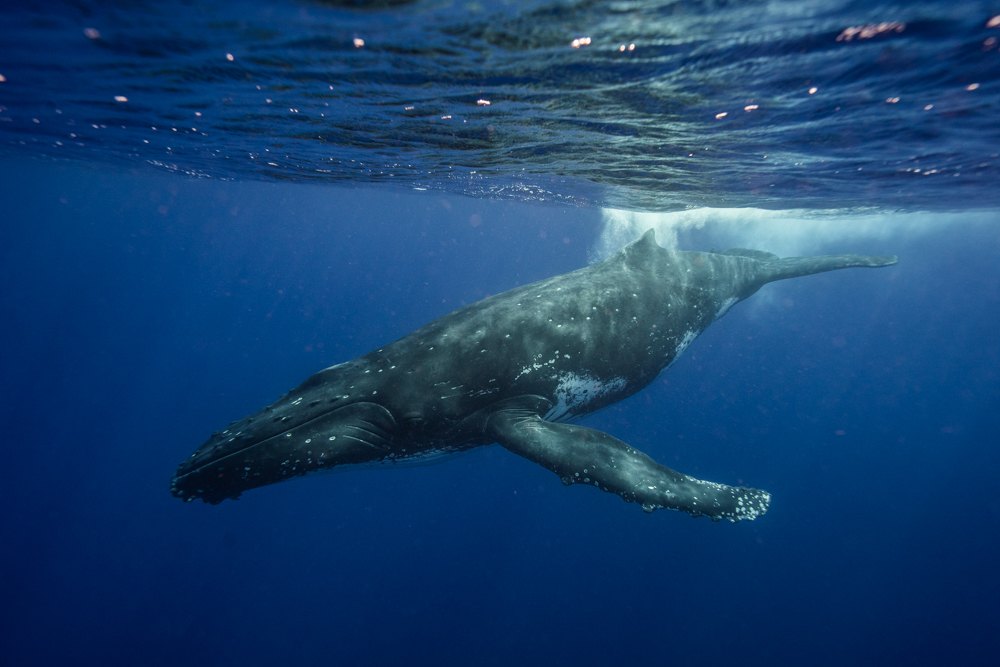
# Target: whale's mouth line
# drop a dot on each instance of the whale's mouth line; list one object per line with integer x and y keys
{"x": 362, "y": 431}
{"x": 218, "y": 459}
{"x": 228, "y": 455}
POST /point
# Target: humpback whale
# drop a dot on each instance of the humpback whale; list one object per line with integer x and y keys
{"x": 513, "y": 369}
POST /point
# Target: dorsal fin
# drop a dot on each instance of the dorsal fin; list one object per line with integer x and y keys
{"x": 642, "y": 249}
{"x": 752, "y": 254}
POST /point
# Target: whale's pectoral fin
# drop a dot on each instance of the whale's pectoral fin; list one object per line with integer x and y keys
{"x": 581, "y": 455}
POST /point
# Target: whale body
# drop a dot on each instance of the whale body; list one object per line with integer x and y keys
{"x": 513, "y": 369}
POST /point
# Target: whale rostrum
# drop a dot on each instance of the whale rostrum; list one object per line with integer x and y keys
{"x": 513, "y": 369}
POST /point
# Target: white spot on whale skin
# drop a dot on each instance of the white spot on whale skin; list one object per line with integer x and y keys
{"x": 576, "y": 391}
{"x": 534, "y": 367}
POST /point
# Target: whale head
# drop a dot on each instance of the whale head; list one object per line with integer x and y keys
{"x": 314, "y": 426}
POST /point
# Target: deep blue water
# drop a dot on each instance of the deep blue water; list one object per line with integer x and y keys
{"x": 144, "y": 308}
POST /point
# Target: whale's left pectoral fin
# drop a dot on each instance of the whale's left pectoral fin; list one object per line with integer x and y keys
{"x": 581, "y": 455}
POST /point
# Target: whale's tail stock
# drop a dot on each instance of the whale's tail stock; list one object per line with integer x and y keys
{"x": 793, "y": 267}
{"x": 771, "y": 267}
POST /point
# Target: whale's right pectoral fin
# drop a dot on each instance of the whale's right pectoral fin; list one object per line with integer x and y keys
{"x": 581, "y": 455}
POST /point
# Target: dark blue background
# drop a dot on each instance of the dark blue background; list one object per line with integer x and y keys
{"x": 140, "y": 313}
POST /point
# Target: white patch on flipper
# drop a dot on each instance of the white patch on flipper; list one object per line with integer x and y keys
{"x": 576, "y": 391}
{"x": 330, "y": 368}
{"x": 685, "y": 341}
{"x": 726, "y": 305}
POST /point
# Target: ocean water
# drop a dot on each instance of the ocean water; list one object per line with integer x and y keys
{"x": 204, "y": 203}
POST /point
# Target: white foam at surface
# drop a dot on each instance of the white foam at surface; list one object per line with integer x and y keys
{"x": 785, "y": 233}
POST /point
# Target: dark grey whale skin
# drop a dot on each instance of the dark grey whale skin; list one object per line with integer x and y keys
{"x": 510, "y": 369}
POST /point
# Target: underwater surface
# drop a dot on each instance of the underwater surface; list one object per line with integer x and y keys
{"x": 205, "y": 203}
{"x": 630, "y": 104}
